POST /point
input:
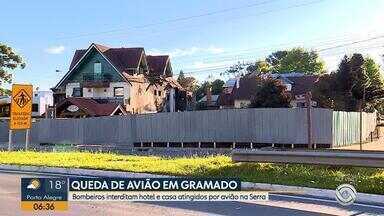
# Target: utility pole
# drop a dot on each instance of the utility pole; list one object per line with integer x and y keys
{"x": 308, "y": 98}
{"x": 361, "y": 119}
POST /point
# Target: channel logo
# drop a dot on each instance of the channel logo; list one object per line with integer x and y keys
{"x": 346, "y": 194}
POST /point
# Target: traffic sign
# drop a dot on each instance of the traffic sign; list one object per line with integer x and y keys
{"x": 21, "y": 107}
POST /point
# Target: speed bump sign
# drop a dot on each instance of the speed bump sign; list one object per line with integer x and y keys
{"x": 21, "y": 107}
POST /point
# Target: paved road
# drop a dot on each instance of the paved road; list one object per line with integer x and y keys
{"x": 377, "y": 145}
{"x": 278, "y": 205}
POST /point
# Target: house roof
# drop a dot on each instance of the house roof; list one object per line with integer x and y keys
{"x": 90, "y": 106}
{"x": 303, "y": 84}
{"x": 124, "y": 60}
{"x": 157, "y": 64}
{"x": 173, "y": 83}
{"x": 247, "y": 87}
{"x": 225, "y": 99}
{"x": 121, "y": 58}
{"x": 204, "y": 99}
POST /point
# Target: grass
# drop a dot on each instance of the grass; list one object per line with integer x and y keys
{"x": 367, "y": 180}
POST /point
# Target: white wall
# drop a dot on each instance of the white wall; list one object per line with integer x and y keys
{"x": 106, "y": 92}
{"x": 42, "y": 98}
{"x": 98, "y": 92}
{"x": 242, "y": 103}
{"x": 69, "y": 88}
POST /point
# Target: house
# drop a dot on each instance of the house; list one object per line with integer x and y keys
{"x": 239, "y": 94}
{"x": 77, "y": 107}
{"x": 41, "y": 100}
{"x": 124, "y": 76}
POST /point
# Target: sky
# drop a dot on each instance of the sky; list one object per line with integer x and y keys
{"x": 202, "y": 37}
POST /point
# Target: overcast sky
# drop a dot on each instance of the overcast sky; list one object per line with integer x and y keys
{"x": 202, "y": 36}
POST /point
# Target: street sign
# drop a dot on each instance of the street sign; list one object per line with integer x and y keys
{"x": 21, "y": 107}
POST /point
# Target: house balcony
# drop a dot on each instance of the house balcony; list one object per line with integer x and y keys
{"x": 92, "y": 80}
{"x": 117, "y": 100}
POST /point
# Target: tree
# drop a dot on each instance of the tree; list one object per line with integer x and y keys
{"x": 217, "y": 86}
{"x": 361, "y": 81}
{"x": 355, "y": 79}
{"x": 373, "y": 72}
{"x": 283, "y": 61}
{"x": 188, "y": 83}
{"x": 9, "y": 60}
{"x": 374, "y": 92}
{"x": 271, "y": 93}
{"x": 201, "y": 90}
{"x": 296, "y": 59}
{"x": 274, "y": 59}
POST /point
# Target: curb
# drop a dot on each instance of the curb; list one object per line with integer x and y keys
{"x": 294, "y": 190}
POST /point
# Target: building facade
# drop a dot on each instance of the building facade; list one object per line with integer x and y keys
{"x": 124, "y": 76}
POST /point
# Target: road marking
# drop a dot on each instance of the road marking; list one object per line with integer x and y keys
{"x": 325, "y": 200}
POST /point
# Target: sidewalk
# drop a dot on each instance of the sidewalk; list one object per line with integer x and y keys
{"x": 377, "y": 145}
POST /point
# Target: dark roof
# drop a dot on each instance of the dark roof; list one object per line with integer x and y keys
{"x": 121, "y": 58}
{"x": 90, "y": 106}
{"x": 247, "y": 87}
{"x": 303, "y": 84}
{"x": 157, "y": 64}
{"x": 225, "y": 99}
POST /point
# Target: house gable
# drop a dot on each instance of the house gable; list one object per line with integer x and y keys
{"x": 86, "y": 66}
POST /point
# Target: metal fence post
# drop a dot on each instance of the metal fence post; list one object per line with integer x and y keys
{"x": 10, "y": 140}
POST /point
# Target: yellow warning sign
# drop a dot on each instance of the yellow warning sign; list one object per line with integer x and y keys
{"x": 21, "y": 107}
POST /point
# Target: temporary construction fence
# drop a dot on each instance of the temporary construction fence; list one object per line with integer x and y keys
{"x": 204, "y": 128}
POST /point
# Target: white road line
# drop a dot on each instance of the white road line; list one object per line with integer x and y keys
{"x": 325, "y": 200}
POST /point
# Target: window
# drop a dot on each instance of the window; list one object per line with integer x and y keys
{"x": 154, "y": 92}
{"x": 77, "y": 92}
{"x": 97, "y": 68}
{"x": 118, "y": 92}
{"x": 159, "y": 93}
{"x": 35, "y": 107}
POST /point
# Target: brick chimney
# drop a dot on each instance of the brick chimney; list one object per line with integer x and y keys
{"x": 209, "y": 96}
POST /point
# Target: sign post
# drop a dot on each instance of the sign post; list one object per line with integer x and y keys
{"x": 21, "y": 111}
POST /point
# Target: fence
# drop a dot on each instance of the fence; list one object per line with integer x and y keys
{"x": 346, "y": 127}
{"x": 257, "y": 126}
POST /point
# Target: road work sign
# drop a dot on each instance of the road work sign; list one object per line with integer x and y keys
{"x": 21, "y": 107}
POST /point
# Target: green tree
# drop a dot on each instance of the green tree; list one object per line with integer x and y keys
{"x": 283, "y": 61}
{"x": 217, "y": 86}
{"x": 274, "y": 59}
{"x": 355, "y": 79}
{"x": 9, "y": 61}
{"x": 188, "y": 83}
{"x": 296, "y": 59}
{"x": 373, "y": 72}
{"x": 201, "y": 90}
{"x": 271, "y": 93}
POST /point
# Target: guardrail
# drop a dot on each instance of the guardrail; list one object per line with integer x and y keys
{"x": 334, "y": 157}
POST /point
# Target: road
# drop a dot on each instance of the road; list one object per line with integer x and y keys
{"x": 377, "y": 145}
{"x": 278, "y": 205}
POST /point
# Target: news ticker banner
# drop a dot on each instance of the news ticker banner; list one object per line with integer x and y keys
{"x": 54, "y": 194}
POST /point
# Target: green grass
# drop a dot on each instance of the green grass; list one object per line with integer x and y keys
{"x": 367, "y": 180}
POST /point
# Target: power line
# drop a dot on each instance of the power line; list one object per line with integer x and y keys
{"x": 195, "y": 16}
{"x": 215, "y": 68}
{"x": 352, "y": 43}
{"x": 177, "y": 19}
{"x": 231, "y": 58}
